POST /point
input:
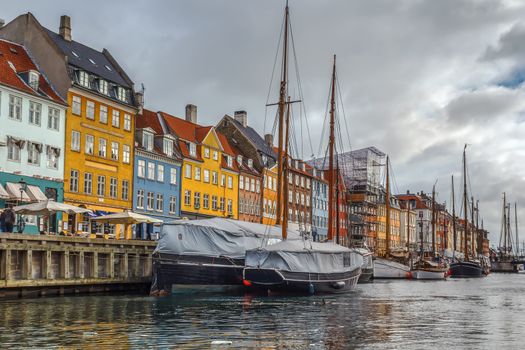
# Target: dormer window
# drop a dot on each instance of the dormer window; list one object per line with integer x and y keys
{"x": 264, "y": 159}
{"x": 147, "y": 141}
{"x": 34, "y": 77}
{"x": 229, "y": 161}
{"x": 250, "y": 163}
{"x": 239, "y": 159}
{"x": 121, "y": 94}
{"x": 193, "y": 149}
{"x": 296, "y": 164}
{"x": 168, "y": 146}
{"x": 304, "y": 166}
{"x": 103, "y": 86}
{"x": 83, "y": 79}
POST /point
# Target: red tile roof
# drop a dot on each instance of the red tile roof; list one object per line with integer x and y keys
{"x": 180, "y": 127}
{"x": 22, "y": 62}
{"x": 149, "y": 119}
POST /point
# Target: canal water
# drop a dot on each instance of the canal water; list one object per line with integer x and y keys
{"x": 486, "y": 313}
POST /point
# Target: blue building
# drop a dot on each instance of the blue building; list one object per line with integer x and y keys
{"x": 32, "y": 123}
{"x": 319, "y": 205}
{"x": 156, "y": 179}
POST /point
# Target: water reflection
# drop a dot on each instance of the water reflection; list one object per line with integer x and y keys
{"x": 399, "y": 314}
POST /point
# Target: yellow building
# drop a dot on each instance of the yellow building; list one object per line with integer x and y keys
{"x": 269, "y": 195}
{"x": 209, "y": 186}
{"x": 395, "y": 227}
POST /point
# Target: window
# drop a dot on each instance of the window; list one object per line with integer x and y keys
{"x": 241, "y": 182}
{"x": 121, "y": 94}
{"x": 229, "y": 161}
{"x": 147, "y": 141}
{"x": 15, "y": 107}
{"x": 215, "y": 155}
{"x": 88, "y": 183}
{"x": 223, "y": 180}
{"x": 222, "y": 204}
{"x": 77, "y": 105}
{"x": 187, "y": 171}
{"x": 160, "y": 202}
{"x": 75, "y": 140}
{"x": 206, "y": 175}
{"x": 83, "y": 79}
{"x": 33, "y": 153}
{"x": 103, "y": 86}
{"x": 125, "y": 190}
{"x": 168, "y": 147}
{"x": 230, "y": 182}
{"x": 52, "y": 157}
{"x": 239, "y": 159}
{"x": 160, "y": 172}
{"x": 230, "y": 206}
{"x": 33, "y": 79}
{"x": 258, "y": 186}
{"x": 187, "y": 197}
{"x": 114, "y": 150}
{"x": 35, "y": 113}
{"x": 250, "y": 163}
{"x": 214, "y": 202}
{"x": 214, "y": 177}
{"x": 307, "y": 201}
{"x": 102, "y": 147}
{"x": 197, "y": 175}
{"x": 302, "y": 181}
{"x": 141, "y": 168}
{"x": 206, "y": 152}
{"x": 151, "y": 200}
{"x": 206, "y": 201}
{"x": 302, "y": 198}
{"x": 113, "y": 184}
{"x": 53, "y": 116}
{"x": 151, "y": 171}
{"x": 197, "y": 200}
{"x": 173, "y": 205}
{"x": 290, "y": 197}
{"x": 193, "y": 149}
{"x": 101, "y": 185}
{"x": 173, "y": 176}
{"x": 90, "y": 110}
{"x": 90, "y": 144}
{"x": 126, "y": 152}
{"x": 115, "y": 118}
{"x": 73, "y": 180}
{"x": 127, "y": 122}
{"x": 140, "y": 199}
{"x": 252, "y": 185}
{"x": 103, "y": 116}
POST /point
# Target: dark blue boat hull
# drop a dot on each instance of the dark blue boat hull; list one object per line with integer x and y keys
{"x": 466, "y": 269}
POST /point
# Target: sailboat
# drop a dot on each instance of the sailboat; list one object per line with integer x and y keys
{"x": 505, "y": 259}
{"x": 303, "y": 267}
{"x": 387, "y": 267}
{"x": 426, "y": 269}
{"x": 467, "y": 267}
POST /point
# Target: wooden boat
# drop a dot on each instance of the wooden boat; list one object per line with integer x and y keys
{"x": 367, "y": 268}
{"x": 429, "y": 270}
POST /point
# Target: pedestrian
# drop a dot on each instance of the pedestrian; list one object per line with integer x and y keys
{"x": 10, "y": 219}
{"x": 2, "y": 221}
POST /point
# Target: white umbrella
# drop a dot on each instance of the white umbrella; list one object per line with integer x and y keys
{"x": 49, "y": 207}
{"x": 126, "y": 218}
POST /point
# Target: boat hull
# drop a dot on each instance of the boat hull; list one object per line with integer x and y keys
{"x": 425, "y": 274}
{"x": 366, "y": 275}
{"x": 172, "y": 270}
{"x": 465, "y": 269}
{"x": 502, "y": 266}
{"x": 388, "y": 269}
{"x": 280, "y": 281}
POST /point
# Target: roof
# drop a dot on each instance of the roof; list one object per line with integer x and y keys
{"x": 182, "y": 128}
{"x": 79, "y": 55}
{"x": 254, "y": 137}
{"x": 149, "y": 119}
{"x": 23, "y": 63}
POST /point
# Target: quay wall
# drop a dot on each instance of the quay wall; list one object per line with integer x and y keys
{"x": 32, "y": 266}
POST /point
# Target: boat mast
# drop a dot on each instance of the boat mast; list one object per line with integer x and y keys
{"x": 472, "y": 233}
{"x": 407, "y": 224}
{"x": 516, "y": 223}
{"x": 284, "y": 224}
{"x": 478, "y": 235}
{"x": 434, "y": 220}
{"x": 465, "y": 205}
{"x": 387, "y": 205}
{"x": 331, "y": 143}
{"x": 282, "y": 102}
{"x": 454, "y": 216}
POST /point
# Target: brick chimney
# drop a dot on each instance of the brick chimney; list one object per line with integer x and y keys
{"x": 139, "y": 98}
{"x": 65, "y": 28}
{"x": 191, "y": 113}
{"x": 269, "y": 139}
{"x": 241, "y": 117}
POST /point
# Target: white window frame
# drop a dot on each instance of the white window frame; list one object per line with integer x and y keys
{"x": 89, "y": 144}
{"x": 35, "y": 113}
{"x": 160, "y": 172}
{"x": 102, "y": 147}
{"x": 173, "y": 176}
{"x": 151, "y": 171}
{"x": 126, "y": 154}
{"x": 141, "y": 168}
{"x": 73, "y": 180}
{"x": 115, "y": 118}
{"x": 88, "y": 183}
{"x": 140, "y": 199}
{"x": 53, "y": 118}
{"x": 15, "y": 107}
{"x": 103, "y": 114}
{"x": 127, "y": 122}
{"x": 75, "y": 140}
{"x": 114, "y": 150}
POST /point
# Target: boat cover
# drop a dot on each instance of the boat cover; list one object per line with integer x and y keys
{"x": 304, "y": 256}
{"x": 217, "y": 237}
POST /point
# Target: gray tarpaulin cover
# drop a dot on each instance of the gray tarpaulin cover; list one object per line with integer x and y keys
{"x": 217, "y": 237}
{"x": 304, "y": 256}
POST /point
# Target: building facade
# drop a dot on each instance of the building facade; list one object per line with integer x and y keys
{"x": 32, "y": 119}
{"x": 269, "y": 208}
{"x": 250, "y": 191}
{"x": 319, "y": 205}
{"x": 156, "y": 180}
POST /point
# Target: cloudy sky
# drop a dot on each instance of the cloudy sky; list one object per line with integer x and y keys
{"x": 418, "y": 78}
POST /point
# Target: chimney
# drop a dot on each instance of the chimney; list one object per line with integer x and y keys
{"x": 269, "y": 139}
{"x": 191, "y": 113}
{"x": 2, "y": 22}
{"x": 65, "y": 28}
{"x": 241, "y": 117}
{"x": 408, "y": 191}
{"x": 139, "y": 98}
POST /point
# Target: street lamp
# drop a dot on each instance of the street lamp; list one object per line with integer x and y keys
{"x": 23, "y": 187}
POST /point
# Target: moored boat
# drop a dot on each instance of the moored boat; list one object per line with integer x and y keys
{"x": 429, "y": 270}
{"x": 390, "y": 269}
{"x": 367, "y": 268}
{"x": 466, "y": 268}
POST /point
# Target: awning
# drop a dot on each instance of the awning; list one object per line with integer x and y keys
{"x": 3, "y": 193}
{"x": 35, "y": 193}
{"x": 15, "y": 192}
